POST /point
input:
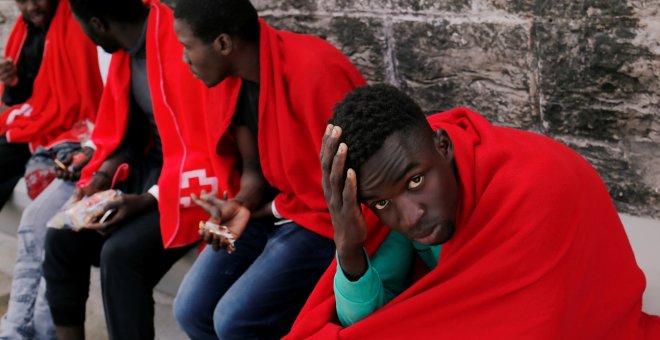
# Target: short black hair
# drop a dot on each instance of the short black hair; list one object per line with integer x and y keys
{"x": 210, "y": 18}
{"x": 372, "y": 113}
{"x": 115, "y": 10}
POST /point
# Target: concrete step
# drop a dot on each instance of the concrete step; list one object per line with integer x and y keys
{"x": 95, "y": 328}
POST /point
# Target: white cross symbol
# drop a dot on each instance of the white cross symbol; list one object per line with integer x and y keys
{"x": 202, "y": 181}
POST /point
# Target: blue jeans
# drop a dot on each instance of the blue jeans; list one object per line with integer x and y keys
{"x": 257, "y": 291}
{"x": 28, "y": 315}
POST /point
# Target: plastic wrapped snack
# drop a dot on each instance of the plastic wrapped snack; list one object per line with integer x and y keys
{"x": 75, "y": 215}
{"x": 221, "y": 231}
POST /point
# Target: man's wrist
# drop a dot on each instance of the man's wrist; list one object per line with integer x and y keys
{"x": 149, "y": 200}
{"x": 352, "y": 261}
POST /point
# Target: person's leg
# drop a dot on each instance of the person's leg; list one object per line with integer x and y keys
{"x": 69, "y": 256}
{"x": 21, "y": 320}
{"x": 133, "y": 260}
{"x": 264, "y": 301}
{"x": 210, "y": 277}
{"x": 13, "y": 157}
{"x": 44, "y": 327}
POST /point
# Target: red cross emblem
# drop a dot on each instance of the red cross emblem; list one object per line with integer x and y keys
{"x": 193, "y": 182}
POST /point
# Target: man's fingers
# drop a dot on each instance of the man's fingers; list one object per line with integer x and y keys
{"x": 350, "y": 189}
{"x": 66, "y": 160}
{"x": 224, "y": 242}
{"x": 206, "y": 236}
{"x": 329, "y": 149}
{"x": 215, "y": 201}
{"x": 115, "y": 203}
{"x": 326, "y": 134}
{"x": 337, "y": 174}
{"x": 216, "y": 242}
{"x": 201, "y": 203}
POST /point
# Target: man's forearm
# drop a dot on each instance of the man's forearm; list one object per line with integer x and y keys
{"x": 352, "y": 260}
{"x": 251, "y": 195}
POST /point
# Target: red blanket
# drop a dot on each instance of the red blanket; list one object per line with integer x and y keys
{"x": 539, "y": 253}
{"x": 67, "y": 88}
{"x": 301, "y": 79}
{"x": 178, "y": 100}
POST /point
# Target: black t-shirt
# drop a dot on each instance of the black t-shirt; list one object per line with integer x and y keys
{"x": 247, "y": 108}
{"x": 142, "y": 143}
{"x": 28, "y": 66}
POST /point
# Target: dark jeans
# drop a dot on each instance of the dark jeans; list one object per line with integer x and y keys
{"x": 132, "y": 261}
{"x": 13, "y": 157}
{"x": 257, "y": 291}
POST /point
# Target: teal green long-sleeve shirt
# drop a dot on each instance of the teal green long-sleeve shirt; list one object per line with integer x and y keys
{"x": 388, "y": 274}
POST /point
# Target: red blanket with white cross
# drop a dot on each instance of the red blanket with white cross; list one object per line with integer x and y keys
{"x": 179, "y": 101}
{"x": 67, "y": 88}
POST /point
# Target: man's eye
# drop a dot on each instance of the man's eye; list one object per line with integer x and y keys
{"x": 380, "y": 205}
{"x": 416, "y": 182}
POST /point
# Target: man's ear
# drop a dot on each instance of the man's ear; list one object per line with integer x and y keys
{"x": 98, "y": 25}
{"x": 223, "y": 44}
{"x": 443, "y": 144}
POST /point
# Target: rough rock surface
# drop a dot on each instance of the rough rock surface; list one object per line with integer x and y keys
{"x": 585, "y": 72}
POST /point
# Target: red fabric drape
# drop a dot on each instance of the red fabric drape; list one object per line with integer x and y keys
{"x": 179, "y": 101}
{"x": 67, "y": 89}
{"x": 301, "y": 79}
{"x": 539, "y": 253}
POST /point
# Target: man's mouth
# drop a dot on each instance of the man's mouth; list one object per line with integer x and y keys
{"x": 37, "y": 17}
{"x": 427, "y": 234}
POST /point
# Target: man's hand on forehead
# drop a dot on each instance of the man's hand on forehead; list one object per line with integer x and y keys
{"x": 340, "y": 190}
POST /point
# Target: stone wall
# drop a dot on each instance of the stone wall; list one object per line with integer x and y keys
{"x": 585, "y": 72}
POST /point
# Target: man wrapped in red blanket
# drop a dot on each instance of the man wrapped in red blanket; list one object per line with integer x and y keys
{"x": 51, "y": 81}
{"x": 150, "y": 145}
{"x": 273, "y": 93}
{"x": 530, "y": 245}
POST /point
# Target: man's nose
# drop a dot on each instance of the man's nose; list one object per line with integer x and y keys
{"x": 410, "y": 213}
{"x": 30, "y": 5}
{"x": 185, "y": 58}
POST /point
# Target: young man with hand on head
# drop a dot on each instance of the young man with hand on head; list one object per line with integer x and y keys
{"x": 518, "y": 231}
{"x": 272, "y": 93}
{"x": 151, "y": 148}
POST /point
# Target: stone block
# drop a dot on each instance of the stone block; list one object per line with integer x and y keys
{"x": 577, "y": 9}
{"x": 627, "y": 175}
{"x": 430, "y": 5}
{"x": 397, "y": 6}
{"x": 484, "y": 66}
{"x": 306, "y": 6}
{"x": 355, "y": 5}
{"x": 594, "y": 80}
{"x": 361, "y": 39}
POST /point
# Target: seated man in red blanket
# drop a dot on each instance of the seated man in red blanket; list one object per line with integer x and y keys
{"x": 519, "y": 233}
{"x": 50, "y": 82}
{"x": 272, "y": 94}
{"x": 151, "y": 147}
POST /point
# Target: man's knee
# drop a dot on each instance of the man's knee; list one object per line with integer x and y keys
{"x": 184, "y": 314}
{"x": 222, "y": 322}
{"x": 116, "y": 256}
{"x": 232, "y": 320}
{"x": 56, "y": 241}
{"x": 190, "y": 316}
